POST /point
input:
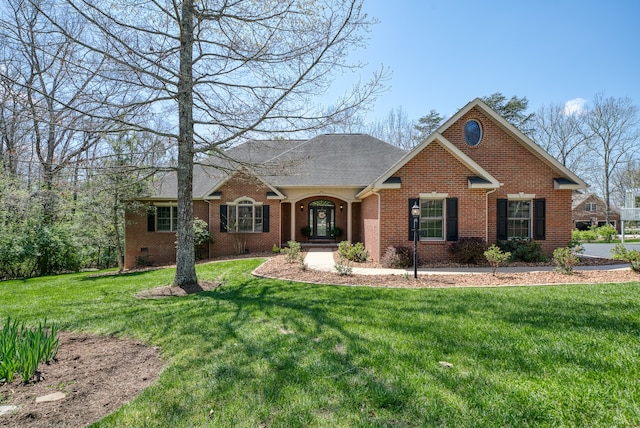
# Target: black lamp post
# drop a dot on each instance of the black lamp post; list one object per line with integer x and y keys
{"x": 415, "y": 212}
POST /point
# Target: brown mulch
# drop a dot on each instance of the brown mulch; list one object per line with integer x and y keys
{"x": 97, "y": 374}
{"x": 277, "y": 267}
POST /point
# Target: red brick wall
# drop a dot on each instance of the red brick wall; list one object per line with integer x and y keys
{"x": 511, "y": 163}
{"x": 157, "y": 248}
{"x": 239, "y": 186}
{"x": 370, "y": 226}
{"x": 432, "y": 170}
{"x": 500, "y": 154}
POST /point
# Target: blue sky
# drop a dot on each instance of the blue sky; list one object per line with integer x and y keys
{"x": 444, "y": 53}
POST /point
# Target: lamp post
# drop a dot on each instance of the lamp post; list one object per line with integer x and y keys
{"x": 415, "y": 212}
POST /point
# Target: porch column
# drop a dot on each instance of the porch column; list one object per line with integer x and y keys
{"x": 293, "y": 221}
{"x": 349, "y": 221}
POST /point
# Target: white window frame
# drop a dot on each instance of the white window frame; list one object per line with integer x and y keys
{"x": 173, "y": 218}
{"x": 591, "y": 207}
{"x": 252, "y": 223}
{"x": 511, "y": 219}
{"x": 431, "y": 197}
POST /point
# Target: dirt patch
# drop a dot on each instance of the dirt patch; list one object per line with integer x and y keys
{"x": 97, "y": 374}
{"x": 277, "y": 267}
{"x": 173, "y": 291}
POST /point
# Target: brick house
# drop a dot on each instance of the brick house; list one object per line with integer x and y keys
{"x": 476, "y": 176}
{"x": 588, "y": 209}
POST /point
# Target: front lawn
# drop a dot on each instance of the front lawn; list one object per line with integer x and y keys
{"x": 280, "y": 353}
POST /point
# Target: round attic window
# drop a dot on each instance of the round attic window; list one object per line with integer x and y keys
{"x": 472, "y": 132}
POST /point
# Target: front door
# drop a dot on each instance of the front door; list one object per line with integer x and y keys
{"x": 321, "y": 219}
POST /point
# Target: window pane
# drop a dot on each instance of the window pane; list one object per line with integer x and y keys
{"x": 432, "y": 219}
{"x": 174, "y": 218}
{"x": 518, "y": 229}
{"x": 431, "y": 229}
{"x": 245, "y": 218}
{"x": 431, "y": 208}
{"x": 232, "y": 221}
{"x": 258, "y": 218}
{"x": 164, "y": 219}
{"x": 518, "y": 222}
{"x": 519, "y": 209}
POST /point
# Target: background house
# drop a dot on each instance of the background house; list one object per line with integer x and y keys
{"x": 476, "y": 176}
{"x": 588, "y": 209}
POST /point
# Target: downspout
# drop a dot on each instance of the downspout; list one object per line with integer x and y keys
{"x": 486, "y": 214}
{"x": 209, "y": 225}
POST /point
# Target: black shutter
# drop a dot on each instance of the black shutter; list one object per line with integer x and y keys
{"x": 151, "y": 222}
{"x": 539, "y": 219}
{"x": 265, "y": 218}
{"x": 452, "y": 219}
{"x": 503, "y": 217}
{"x": 412, "y": 201}
{"x": 223, "y": 218}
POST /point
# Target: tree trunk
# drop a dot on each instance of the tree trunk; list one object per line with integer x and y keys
{"x": 116, "y": 228}
{"x": 185, "y": 254}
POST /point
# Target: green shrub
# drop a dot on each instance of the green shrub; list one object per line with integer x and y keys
{"x": 468, "y": 249}
{"x": 293, "y": 252}
{"x": 353, "y": 252}
{"x": 495, "y": 256}
{"x": 343, "y": 267}
{"x": 55, "y": 250}
{"x": 275, "y": 249}
{"x": 619, "y": 252}
{"x": 397, "y": 257}
{"x": 565, "y": 260}
{"x": 584, "y": 235}
{"x": 524, "y": 250}
{"x": 606, "y": 232}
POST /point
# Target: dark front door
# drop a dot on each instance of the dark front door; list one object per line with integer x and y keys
{"x": 322, "y": 218}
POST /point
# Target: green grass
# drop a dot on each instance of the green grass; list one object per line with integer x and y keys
{"x": 288, "y": 354}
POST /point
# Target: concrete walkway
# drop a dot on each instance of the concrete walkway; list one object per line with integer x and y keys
{"x": 322, "y": 259}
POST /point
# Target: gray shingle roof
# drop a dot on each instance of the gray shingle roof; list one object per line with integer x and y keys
{"x": 333, "y": 160}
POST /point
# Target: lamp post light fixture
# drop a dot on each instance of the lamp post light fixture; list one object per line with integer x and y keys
{"x": 415, "y": 212}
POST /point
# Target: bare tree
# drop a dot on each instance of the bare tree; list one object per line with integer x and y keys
{"x": 221, "y": 71}
{"x": 51, "y": 86}
{"x": 612, "y": 134}
{"x": 396, "y": 128}
{"x": 13, "y": 125}
{"x": 559, "y": 133}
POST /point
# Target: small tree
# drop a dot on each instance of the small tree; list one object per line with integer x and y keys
{"x": 565, "y": 260}
{"x": 495, "y": 256}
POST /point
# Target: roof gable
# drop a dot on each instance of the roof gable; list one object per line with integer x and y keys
{"x": 482, "y": 179}
{"x": 213, "y": 193}
{"x": 521, "y": 138}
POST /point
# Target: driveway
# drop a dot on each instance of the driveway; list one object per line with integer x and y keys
{"x": 604, "y": 250}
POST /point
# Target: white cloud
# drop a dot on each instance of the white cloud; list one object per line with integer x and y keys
{"x": 574, "y": 106}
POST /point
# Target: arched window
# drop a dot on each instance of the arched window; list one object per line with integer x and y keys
{"x": 245, "y": 215}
